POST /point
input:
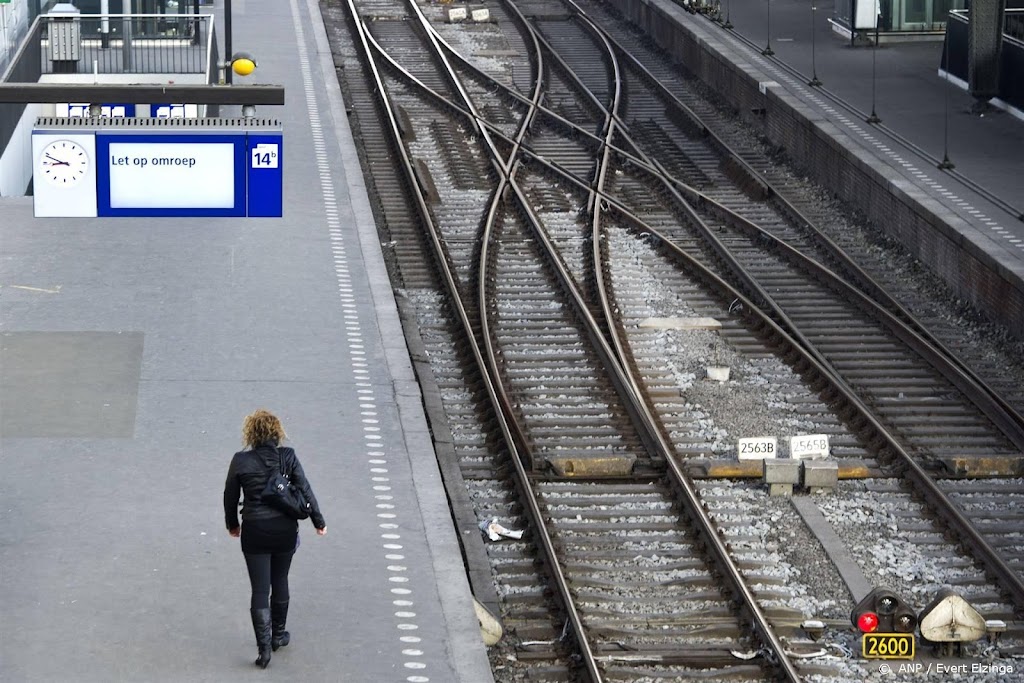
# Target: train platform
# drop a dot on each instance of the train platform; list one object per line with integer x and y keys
{"x": 901, "y": 83}
{"x": 963, "y": 222}
{"x": 131, "y": 350}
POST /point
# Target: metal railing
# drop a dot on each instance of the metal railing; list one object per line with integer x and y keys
{"x": 1013, "y": 21}
{"x": 1013, "y": 24}
{"x": 125, "y": 43}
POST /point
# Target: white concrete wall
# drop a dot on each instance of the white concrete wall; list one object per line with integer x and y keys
{"x": 16, "y": 161}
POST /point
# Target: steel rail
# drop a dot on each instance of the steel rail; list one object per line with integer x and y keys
{"x": 512, "y": 436}
{"x": 653, "y": 437}
{"x": 651, "y": 434}
{"x": 937, "y": 498}
{"x": 993, "y": 405}
{"x": 601, "y": 175}
{"x": 1002, "y": 415}
{"x": 448, "y": 278}
{"x": 522, "y": 477}
{"x": 605, "y": 142}
{"x": 860, "y": 277}
{"x": 939, "y": 501}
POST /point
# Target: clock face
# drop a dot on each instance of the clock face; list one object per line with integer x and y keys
{"x": 64, "y": 163}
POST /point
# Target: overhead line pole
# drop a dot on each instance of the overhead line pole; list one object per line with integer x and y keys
{"x": 227, "y": 41}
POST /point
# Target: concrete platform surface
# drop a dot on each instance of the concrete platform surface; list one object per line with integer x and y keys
{"x": 133, "y": 348}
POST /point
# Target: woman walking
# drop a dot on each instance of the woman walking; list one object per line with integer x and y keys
{"x": 269, "y": 536}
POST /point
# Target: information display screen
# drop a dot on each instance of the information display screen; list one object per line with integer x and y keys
{"x": 172, "y": 175}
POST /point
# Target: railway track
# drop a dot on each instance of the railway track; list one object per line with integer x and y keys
{"x": 558, "y": 235}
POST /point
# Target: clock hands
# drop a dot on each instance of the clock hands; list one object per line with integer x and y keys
{"x": 63, "y": 163}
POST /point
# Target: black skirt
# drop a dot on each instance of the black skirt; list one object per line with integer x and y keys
{"x": 269, "y": 536}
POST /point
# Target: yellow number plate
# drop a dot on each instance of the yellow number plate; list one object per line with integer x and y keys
{"x": 888, "y": 645}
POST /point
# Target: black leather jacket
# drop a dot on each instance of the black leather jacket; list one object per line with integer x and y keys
{"x": 249, "y": 472}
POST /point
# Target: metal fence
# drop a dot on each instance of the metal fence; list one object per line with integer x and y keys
{"x": 1013, "y": 24}
{"x": 125, "y": 43}
{"x": 955, "y": 54}
{"x": 1013, "y": 21}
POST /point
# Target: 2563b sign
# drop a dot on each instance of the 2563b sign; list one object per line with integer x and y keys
{"x": 888, "y": 646}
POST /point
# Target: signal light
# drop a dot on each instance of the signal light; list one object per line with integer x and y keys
{"x": 882, "y": 611}
{"x": 867, "y": 622}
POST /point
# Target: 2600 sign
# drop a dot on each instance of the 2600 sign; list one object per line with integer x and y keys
{"x": 888, "y": 646}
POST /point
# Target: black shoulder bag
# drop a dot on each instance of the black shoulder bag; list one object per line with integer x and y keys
{"x": 282, "y": 495}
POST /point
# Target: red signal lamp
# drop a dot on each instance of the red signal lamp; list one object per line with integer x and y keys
{"x": 867, "y": 622}
{"x": 882, "y": 611}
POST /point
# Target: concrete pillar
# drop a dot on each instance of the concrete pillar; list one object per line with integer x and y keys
{"x": 984, "y": 44}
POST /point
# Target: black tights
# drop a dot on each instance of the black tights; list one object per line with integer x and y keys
{"x": 266, "y": 572}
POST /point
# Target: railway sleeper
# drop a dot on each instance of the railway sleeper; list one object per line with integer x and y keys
{"x": 715, "y": 618}
{"x": 621, "y": 645}
{"x": 1010, "y": 492}
{"x": 590, "y": 464}
{"x": 558, "y": 428}
{"x": 730, "y": 671}
{"x": 983, "y": 465}
{"x": 618, "y": 530}
{"x": 939, "y": 422}
{"x": 623, "y": 564}
{"x": 652, "y": 500}
{"x": 885, "y": 364}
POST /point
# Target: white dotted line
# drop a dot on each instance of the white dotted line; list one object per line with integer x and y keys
{"x": 374, "y": 442}
{"x": 855, "y": 127}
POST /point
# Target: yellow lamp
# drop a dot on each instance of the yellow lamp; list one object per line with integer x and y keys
{"x": 243, "y": 63}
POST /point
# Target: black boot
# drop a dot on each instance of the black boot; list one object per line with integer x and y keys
{"x": 278, "y": 618}
{"x": 261, "y": 627}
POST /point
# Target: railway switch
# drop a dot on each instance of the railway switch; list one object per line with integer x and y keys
{"x": 882, "y": 611}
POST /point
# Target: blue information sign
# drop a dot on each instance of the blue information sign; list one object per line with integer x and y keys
{"x": 150, "y": 167}
{"x": 265, "y": 175}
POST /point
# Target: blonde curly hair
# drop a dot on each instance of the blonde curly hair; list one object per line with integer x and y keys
{"x": 261, "y": 426}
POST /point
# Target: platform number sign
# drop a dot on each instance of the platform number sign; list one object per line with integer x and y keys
{"x": 264, "y": 156}
{"x": 266, "y": 166}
